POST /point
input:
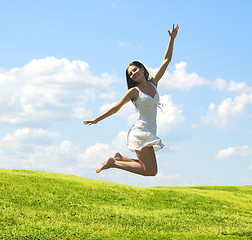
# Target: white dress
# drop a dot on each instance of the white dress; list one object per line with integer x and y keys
{"x": 143, "y": 132}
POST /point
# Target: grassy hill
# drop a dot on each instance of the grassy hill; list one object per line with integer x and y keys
{"x": 41, "y": 205}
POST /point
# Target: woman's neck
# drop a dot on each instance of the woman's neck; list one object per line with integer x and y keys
{"x": 143, "y": 83}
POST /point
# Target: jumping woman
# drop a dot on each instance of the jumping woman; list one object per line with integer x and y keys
{"x": 142, "y": 138}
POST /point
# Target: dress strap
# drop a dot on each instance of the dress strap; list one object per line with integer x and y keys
{"x": 137, "y": 89}
{"x": 153, "y": 85}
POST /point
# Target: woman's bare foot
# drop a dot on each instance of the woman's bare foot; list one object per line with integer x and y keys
{"x": 106, "y": 165}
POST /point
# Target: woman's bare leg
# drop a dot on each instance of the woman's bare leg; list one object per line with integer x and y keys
{"x": 146, "y": 166}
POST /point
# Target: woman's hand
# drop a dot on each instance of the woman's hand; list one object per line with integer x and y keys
{"x": 174, "y": 31}
{"x": 90, "y": 122}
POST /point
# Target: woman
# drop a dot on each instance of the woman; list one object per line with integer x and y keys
{"x": 142, "y": 137}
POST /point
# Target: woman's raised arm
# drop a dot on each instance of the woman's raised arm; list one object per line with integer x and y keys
{"x": 167, "y": 56}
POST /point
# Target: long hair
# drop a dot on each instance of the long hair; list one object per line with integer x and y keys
{"x": 130, "y": 82}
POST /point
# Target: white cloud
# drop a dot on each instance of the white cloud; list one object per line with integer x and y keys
{"x": 222, "y": 85}
{"x": 94, "y": 155}
{"x": 28, "y": 134}
{"x": 110, "y": 96}
{"x": 228, "y": 112}
{"x": 50, "y": 89}
{"x": 34, "y": 149}
{"x": 89, "y": 160}
{"x": 179, "y": 78}
{"x": 170, "y": 115}
{"x": 24, "y": 140}
{"x": 234, "y": 152}
{"x": 120, "y": 142}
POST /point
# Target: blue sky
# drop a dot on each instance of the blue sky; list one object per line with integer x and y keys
{"x": 63, "y": 62}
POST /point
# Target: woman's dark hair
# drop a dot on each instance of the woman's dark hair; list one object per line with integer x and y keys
{"x": 130, "y": 82}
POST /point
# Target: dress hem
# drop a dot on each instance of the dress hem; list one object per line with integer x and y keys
{"x": 155, "y": 146}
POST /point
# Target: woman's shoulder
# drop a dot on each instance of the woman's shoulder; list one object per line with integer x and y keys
{"x": 133, "y": 90}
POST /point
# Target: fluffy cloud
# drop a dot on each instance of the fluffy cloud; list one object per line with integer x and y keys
{"x": 50, "y": 89}
{"x": 228, "y": 112}
{"x": 179, "y": 79}
{"x": 23, "y": 141}
{"x": 169, "y": 116}
{"x": 35, "y": 149}
{"x": 93, "y": 156}
{"x": 234, "y": 152}
{"x": 18, "y": 150}
{"x": 99, "y": 152}
{"x": 222, "y": 85}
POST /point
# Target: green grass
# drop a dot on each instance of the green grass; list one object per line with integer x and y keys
{"x": 41, "y": 205}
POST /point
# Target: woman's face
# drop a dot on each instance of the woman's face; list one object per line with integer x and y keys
{"x": 136, "y": 73}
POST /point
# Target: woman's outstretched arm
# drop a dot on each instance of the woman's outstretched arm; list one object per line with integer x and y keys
{"x": 167, "y": 56}
{"x": 129, "y": 95}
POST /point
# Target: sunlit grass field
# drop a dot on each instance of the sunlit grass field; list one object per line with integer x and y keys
{"x": 42, "y": 205}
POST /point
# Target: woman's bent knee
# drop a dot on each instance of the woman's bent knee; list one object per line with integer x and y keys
{"x": 154, "y": 172}
{"x": 151, "y": 173}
